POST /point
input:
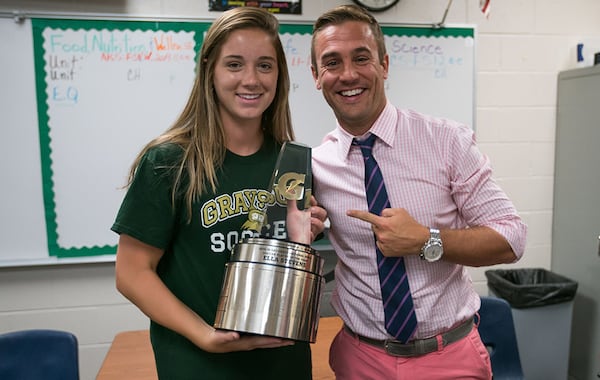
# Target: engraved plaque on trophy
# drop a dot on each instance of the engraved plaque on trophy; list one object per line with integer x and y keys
{"x": 273, "y": 282}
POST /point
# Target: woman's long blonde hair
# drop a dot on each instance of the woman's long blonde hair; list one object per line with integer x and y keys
{"x": 199, "y": 130}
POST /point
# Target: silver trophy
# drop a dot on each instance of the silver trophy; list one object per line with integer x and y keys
{"x": 273, "y": 282}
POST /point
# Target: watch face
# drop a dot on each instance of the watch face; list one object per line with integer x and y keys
{"x": 376, "y": 5}
{"x": 433, "y": 252}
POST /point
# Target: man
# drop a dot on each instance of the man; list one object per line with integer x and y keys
{"x": 442, "y": 212}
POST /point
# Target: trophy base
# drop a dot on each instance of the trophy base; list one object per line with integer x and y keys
{"x": 272, "y": 288}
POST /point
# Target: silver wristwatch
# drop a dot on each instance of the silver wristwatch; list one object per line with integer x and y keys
{"x": 433, "y": 249}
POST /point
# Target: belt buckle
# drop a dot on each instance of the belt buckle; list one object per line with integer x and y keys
{"x": 395, "y": 348}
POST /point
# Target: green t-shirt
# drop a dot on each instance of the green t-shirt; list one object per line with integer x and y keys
{"x": 193, "y": 264}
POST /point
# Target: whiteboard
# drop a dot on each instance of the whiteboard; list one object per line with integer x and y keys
{"x": 81, "y": 97}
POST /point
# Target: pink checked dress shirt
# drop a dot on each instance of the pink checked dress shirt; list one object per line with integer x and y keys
{"x": 431, "y": 168}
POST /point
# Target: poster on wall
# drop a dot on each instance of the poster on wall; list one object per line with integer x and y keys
{"x": 289, "y": 7}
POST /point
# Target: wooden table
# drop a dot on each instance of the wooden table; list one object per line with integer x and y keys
{"x": 130, "y": 355}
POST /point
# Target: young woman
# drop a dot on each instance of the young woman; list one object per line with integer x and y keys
{"x": 191, "y": 192}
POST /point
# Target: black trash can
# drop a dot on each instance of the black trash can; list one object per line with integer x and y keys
{"x": 542, "y": 308}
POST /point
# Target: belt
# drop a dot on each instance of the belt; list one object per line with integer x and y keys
{"x": 417, "y": 347}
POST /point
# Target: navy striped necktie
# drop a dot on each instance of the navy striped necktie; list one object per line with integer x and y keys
{"x": 400, "y": 318}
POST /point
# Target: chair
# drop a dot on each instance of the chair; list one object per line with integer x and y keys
{"x": 39, "y": 354}
{"x": 497, "y": 331}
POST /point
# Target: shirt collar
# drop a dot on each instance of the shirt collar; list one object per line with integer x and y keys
{"x": 384, "y": 128}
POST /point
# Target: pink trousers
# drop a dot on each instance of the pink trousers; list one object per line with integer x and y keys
{"x": 352, "y": 359}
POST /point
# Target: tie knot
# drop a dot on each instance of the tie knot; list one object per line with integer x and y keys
{"x": 366, "y": 145}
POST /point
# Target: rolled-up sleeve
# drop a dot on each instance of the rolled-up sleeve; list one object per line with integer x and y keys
{"x": 480, "y": 199}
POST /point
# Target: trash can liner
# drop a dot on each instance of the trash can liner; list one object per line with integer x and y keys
{"x": 530, "y": 287}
